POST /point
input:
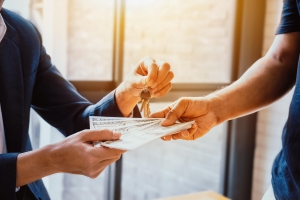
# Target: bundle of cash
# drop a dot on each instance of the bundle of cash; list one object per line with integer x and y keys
{"x": 135, "y": 131}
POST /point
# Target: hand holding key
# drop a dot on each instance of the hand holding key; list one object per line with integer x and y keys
{"x": 154, "y": 76}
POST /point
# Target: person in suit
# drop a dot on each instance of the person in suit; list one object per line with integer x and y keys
{"x": 29, "y": 80}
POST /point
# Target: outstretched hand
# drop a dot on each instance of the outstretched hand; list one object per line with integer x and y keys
{"x": 188, "y": 109}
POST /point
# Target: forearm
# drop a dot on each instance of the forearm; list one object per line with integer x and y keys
{"x": 34, "y": 165}
{"x": 265, "y": 82}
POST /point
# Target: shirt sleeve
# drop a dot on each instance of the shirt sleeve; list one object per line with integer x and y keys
{"x": 290, "y": 20}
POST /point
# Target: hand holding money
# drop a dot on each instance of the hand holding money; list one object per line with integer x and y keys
{"x": 135, "y": 131}
{"x": 153, "y": 75}
{"x": 75, "y": 154}
{"x": 198, "y": 109}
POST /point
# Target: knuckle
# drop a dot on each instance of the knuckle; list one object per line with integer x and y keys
{"x": 183, "y": 101}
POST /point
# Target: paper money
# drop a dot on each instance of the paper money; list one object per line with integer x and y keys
{"x": 135, "y": 131}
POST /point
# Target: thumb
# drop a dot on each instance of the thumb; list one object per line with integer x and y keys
{"x": 173, "y": 115}
{"x": 99, "y": 135}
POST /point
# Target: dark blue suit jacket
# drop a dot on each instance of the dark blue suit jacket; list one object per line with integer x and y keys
{"x": 28, "y": 79}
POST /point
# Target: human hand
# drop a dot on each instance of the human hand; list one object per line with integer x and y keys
{"x": 148, "y": 73}
{"x": 77, "y": 155}
{"x": 198, "y": 109}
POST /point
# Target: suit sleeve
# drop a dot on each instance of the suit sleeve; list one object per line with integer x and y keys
{"x": 8, "y": 175}
{"x": 57, "y": 101}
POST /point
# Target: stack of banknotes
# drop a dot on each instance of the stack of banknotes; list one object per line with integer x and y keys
{"x": 135, "y": 131}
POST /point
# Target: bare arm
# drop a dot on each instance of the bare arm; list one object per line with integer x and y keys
{"x": 263, "y": 83}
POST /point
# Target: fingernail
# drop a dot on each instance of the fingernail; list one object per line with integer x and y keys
{"x": 116, "y": 135}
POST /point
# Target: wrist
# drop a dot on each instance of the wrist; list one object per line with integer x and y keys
{"x": 125, "y": 100}
{"x": 215, "y": 105}
{"x": 34, "y": 165}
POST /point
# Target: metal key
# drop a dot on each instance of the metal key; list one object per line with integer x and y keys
{"x": 145, "y": 97}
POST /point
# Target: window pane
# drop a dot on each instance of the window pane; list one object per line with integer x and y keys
{"x": 194, "y": 36}
{"x": 163, "y": 169}
{"x": 90, "y": 39}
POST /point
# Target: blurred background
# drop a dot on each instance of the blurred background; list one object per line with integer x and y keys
{"x": 209, "y": 44}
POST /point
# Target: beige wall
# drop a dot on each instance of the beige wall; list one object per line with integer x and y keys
{"x": 270, "y": 120}
{"x": 194, "y": 36}
{"x": 90, "y": 39}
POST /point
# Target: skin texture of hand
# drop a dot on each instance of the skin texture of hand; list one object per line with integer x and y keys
{"x": 76, "y": 155}
{"x": 189, "y": 109}
{"x": 156, "y": 74}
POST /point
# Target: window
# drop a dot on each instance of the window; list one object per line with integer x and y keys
{"x": 194, "y": 36}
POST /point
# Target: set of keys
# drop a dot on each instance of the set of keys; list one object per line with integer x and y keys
{"x": 145, "y": 98}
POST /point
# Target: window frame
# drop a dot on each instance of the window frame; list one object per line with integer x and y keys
{"x": 244, "y": 54}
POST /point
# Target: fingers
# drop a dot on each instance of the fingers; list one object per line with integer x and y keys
{"x": 161, "y": 114}
{"x": 164, "y": 82}
{"x": 97, "y": 169}
{"x": 186, "y": 134}
{"x": 104, "y": 153}
{"x": 151, "y": 68}
{"x": 163, "y": 91}
{"x": 167, "y": 138}
{"x": 163, "y": 71}
{"x": 196, "y": 135}
{"x": 98, "y": 135}
{"x": 181, "y": 135}
{"x": 175, "y": 113}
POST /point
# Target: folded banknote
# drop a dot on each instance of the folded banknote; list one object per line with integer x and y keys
{"x": 135, "y": 131}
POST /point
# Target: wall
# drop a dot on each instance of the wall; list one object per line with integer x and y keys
{"x": 90, "y": 39}
{"x": 194, "y": 36}
{"x": 270, "y": 120}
